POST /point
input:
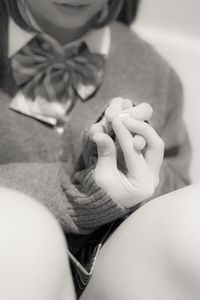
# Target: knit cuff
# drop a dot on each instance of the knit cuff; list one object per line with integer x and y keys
{"x": 93, "y": 207}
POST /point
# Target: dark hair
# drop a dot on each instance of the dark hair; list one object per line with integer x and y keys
{"x": 14, "y": 12}
{"x": 129, "y": 11}
{"x": 115, "y": 6}
{"x": 124, "y": 11}
{"x": 4, "y": 42}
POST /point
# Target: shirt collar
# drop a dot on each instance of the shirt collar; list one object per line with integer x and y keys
{"x": 98, "y": 40}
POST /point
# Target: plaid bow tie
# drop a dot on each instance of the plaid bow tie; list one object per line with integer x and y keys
{"x": 51, "y": 78}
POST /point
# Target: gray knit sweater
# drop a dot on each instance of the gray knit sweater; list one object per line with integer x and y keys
{"x": 57, "y": 170}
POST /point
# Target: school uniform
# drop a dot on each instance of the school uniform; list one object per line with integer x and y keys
{"x": 53, "y": 163}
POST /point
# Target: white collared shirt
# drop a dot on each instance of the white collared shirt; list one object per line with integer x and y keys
{"x": 98, "y": 40}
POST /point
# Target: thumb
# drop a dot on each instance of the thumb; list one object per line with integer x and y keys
{"x": 106, "y": 149}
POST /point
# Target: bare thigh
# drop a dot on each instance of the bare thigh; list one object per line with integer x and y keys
{"x": 154, "y": 254}
{"x": 33, "y": 259}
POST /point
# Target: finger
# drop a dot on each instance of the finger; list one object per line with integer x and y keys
{"x": 114, "y": 108}
{"x": 106, "y": 125}
{"x": 127, "y": 103}
{"x": 117, "y": 102}
{"x": 95, "y": 128}
{"x": 106, "y": 150}
{"x": 140, "y": 112}
{"x": 139, "y": 143}
{"x": 155, "y": 146}
{"x": 134, "y": 160}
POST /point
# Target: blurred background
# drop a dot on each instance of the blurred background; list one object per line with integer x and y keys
{"x": 173, "y": 27}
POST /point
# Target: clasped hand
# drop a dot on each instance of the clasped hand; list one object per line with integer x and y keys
{"x": 142, "y": 150}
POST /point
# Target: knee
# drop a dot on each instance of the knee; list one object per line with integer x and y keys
{"x": 182, "y": 239}
{"x": 169, "y": 226}
{"x": 33, "y": 247}
{"x": 173, "y": 222}
{"x": 24, "y": 219}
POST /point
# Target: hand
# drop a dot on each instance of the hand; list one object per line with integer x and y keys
{"x": 142, "y": 176}
{"x": 123, "y": 108}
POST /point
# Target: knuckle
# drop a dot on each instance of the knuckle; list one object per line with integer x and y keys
{"x": 148, "y": 107}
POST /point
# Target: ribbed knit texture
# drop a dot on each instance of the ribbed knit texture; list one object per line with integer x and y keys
{"x": 58, "y": 172}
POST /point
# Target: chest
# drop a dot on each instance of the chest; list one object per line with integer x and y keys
{"x": 24, "y": 139}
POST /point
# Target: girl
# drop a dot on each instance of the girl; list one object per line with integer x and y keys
{"x": 60, "y": 65}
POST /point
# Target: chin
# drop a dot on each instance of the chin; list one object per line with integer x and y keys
{"x": 72, "y": 24}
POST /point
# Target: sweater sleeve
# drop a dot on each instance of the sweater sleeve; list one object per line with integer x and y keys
{"x": 79, "y": 204}
{"x": 175, "y": 170}
{"x": 174, "y": 173}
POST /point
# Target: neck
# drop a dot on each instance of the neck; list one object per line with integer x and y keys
{"x": 62, "y": 35}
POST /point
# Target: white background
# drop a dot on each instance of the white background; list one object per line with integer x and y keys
{"x": 173, "y": 27}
